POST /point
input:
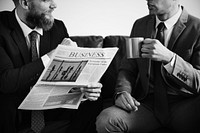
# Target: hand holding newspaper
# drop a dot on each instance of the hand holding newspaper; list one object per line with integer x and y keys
{"x": 69, "y": 69}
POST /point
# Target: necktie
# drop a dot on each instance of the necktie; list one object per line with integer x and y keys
{"x": 37, "y": 117}
{"x": 160, "y": 94}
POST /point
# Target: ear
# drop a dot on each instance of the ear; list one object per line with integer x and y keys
{"x": 24, "y": 4}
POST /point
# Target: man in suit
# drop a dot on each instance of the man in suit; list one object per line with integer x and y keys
{"x": 18, "y": 73}
{"x": 175, "y": 83}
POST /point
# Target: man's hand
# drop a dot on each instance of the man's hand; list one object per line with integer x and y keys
{"x": 66, "y": 42}
{"x": 153, "y": 49}
{"x": 92, "y": 91}
{"x": 127, "y": 102}
{"x": 69, "y": 42}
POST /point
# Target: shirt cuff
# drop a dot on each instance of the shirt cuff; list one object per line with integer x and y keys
{"x": 45, "y": 60}
{"x": 170, "y": 66}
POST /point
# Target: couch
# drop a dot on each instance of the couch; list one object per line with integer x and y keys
{"x": 109, "y": 78}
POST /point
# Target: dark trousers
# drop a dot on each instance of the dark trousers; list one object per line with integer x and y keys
{"x": 184, "y": 117}
{"x": 81, "y": 120}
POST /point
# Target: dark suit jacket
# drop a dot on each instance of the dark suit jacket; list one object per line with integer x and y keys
{"x": 17, "y": 72}
{"x": 184, "y": 41}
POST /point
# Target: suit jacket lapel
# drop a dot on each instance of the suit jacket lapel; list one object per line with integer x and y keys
{"x": 150, "y": 33}
{"x": 178, "y": 29}
{"x": 19, "y": 38}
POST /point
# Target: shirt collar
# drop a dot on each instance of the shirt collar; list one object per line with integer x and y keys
{"x": 26, "y": 30}
{"x": 169, "y": 23}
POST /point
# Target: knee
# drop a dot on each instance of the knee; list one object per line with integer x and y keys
{"x": 110, "y": 120}
{"x": 102, "y": 121}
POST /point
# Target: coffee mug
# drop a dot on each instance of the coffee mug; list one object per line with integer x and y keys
{"x": 133, "y": 47}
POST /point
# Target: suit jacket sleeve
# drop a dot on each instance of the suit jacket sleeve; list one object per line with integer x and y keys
{"x": 185, "y": 76}
{"x": 17, "y": 72}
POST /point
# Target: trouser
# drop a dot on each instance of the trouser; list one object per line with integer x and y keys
{"x": 81, "y": 120}
{"x": 184, "y": 117}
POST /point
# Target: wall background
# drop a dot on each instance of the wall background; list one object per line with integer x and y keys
{"x": 102, "y": 17}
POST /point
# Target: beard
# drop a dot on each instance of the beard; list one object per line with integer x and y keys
{"x": 40, "y": 20}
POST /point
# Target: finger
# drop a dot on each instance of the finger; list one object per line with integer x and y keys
{"x": 92, "y": 94}
{"x": 65, "y": 41}
{"x": 94, "y": 85}
{"x": 129, "y": 100}
{"x": 120, "y": 103}
{"x": 91, "y": 90}
{"x": 148, "y": 51}
{"x": 149, "y": 56}
{"x": 129, "y": 107}
{"x": 68, "y": 42}
{"x": 96, "y": 90}
{"x": 131, "y": 103}
{"x": 145, "y": 49}
{"x": 126, "y": 105}
{"x": 92, "y": 98}
{"x": 147, "y": 40}
{"x": 146, "y": 55}
{"x": 136, "y": 102}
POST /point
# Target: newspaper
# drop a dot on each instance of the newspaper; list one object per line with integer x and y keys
{"x": 69, "y": 69}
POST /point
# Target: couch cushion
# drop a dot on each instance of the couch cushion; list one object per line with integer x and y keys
{"x": 88, "y": 41}
{"x": 109, "y": 78}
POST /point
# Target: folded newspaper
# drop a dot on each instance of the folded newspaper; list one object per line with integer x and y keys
{"x": 69, "y": 69}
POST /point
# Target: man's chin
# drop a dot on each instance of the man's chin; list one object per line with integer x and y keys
{"x": 47, "y": 23}
{"x": 48, "y": 17}
{"x": 48, "y": 26}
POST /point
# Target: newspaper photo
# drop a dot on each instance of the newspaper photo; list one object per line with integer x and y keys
{"x": 69, "y": 69}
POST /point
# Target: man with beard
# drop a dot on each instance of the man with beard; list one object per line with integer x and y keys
{"x": 160, "y": 89}
{"x": 19, "y": 72}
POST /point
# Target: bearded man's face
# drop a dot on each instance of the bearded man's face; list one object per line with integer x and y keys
{"x": 40, "y": 16}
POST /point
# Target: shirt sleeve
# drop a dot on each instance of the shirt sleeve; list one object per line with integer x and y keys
{"x": 170, "y": 66}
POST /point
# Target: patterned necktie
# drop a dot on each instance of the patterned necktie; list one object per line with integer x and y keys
{"x": 37, "y": 117}
{"x": 160, "y": 94}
